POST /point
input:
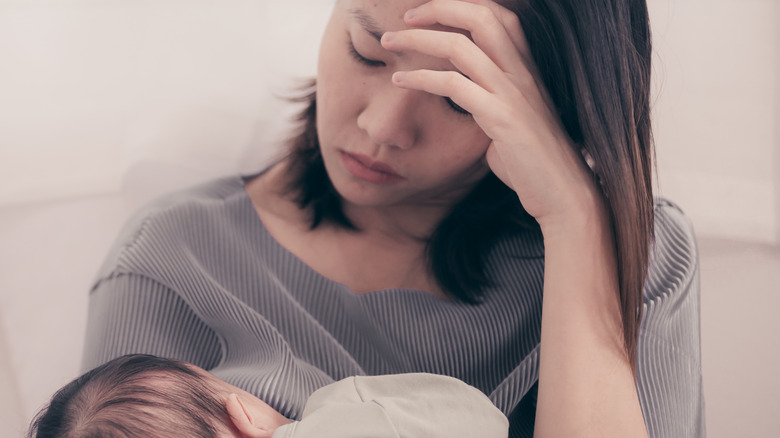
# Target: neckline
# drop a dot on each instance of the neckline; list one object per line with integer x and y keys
{"x": 258, "y": 222}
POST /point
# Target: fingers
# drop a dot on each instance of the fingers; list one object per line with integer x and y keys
{"x": 510, "y": 23}
{"x": 498, "y": 58}
{"x": 501, "y": 89}
{"x": 452, "y": 84}
{"x": 493, "y": 27}
{"x": 456, "y": 47}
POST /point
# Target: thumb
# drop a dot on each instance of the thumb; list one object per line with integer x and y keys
{"x": 497, "y": 166}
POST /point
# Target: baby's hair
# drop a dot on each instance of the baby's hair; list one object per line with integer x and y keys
{"x": 133, "y": 396}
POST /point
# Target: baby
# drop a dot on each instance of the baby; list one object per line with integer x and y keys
{"x": 145, "y": 396}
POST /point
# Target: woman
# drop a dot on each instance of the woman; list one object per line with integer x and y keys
{"x": 454, "y": 154}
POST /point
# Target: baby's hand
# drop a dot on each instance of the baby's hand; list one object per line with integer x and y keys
{"x": 252, "y": 417}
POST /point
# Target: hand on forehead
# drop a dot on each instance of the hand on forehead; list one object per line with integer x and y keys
{"x": 376, "y": 17}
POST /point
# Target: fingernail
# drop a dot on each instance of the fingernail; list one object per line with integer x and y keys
{"x": 398, "y": 77}
{"x": 409, "y": 15}
{"x": 387, "y": 37}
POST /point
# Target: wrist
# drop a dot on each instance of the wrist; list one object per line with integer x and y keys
{"x": 586, "y": 216}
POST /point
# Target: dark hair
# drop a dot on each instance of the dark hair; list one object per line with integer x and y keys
{"x": 594, "y": 58}
{"x": 134, "y": 396}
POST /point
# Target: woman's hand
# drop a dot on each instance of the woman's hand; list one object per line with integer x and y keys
{"x": 499, "y": 86}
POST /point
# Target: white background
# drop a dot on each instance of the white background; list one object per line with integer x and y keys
{"x": 105, "y": 103}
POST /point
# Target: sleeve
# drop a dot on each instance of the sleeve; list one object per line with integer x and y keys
{"x": 397, "y": 406}
{"x": 669, "y": 380}
{"x": 130, "y": 313}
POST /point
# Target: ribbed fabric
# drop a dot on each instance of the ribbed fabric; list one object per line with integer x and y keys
{"x": 669, "y": 367}
{"x": 196, "y": 276}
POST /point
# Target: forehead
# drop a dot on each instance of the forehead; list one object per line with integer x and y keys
{"x": 385, "y": 15}
{"x": 388, "y": 12}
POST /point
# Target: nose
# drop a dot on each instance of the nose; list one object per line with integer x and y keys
{"x": 389, "y": 118}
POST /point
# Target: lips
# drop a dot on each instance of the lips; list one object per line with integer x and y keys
{"x": 366, "y": 169}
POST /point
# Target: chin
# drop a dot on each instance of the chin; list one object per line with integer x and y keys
{"x": 364, "y": 195}
{"x": 356, "y": 191}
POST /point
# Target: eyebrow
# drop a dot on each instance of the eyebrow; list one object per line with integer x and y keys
{"x": 368, "y": 23}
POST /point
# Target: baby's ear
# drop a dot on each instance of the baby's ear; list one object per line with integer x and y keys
{"x": 242, "y": 419}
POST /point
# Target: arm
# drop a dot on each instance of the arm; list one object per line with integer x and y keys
{"x": 584, "y": 371}
{"x": 130, "y": 313}
{"x": 669, "y": 377}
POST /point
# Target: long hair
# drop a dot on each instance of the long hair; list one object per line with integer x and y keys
{"x": 594, "y": 59}
{"x": 133, "y": 396}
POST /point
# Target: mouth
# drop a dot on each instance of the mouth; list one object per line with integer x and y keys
{"x": 366, "y": 169}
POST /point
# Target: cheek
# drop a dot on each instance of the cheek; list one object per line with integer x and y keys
{"x": 335, "y": 79}
{"x": 338, "y": 99}
{"x": 464, "y": 153}
{"x": 336, "y": 117}
{"x": 457, "y": 156}
{"x": 464, "y": 141}
{"x": 330, "y": 103}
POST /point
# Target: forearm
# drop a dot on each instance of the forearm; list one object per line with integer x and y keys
{"x": 586, "y": 386}
{"x": 134, "y": 314}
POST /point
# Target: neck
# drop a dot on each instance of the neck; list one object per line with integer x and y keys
{"x": 399, "y": 223}
{"x": 412, "y": 222}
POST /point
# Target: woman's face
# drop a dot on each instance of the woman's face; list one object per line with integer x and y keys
{"x": 383, "y": 145}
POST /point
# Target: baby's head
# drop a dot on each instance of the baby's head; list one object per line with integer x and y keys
{"x": 142, "y": 395}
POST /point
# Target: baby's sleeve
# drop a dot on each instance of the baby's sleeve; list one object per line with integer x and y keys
{"x": 398, "y": 406}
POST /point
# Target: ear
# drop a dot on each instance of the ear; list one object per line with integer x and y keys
{"x": 242, "y": 419}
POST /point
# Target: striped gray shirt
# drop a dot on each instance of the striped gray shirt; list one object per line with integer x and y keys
{"x": 195, "y": 276}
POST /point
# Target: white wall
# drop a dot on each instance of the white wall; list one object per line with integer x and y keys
{"x": 777, "y": 119}
{"x": 12, "y": 414}
{"x": 84, "y": 83}
{"x": 716, "y": 80}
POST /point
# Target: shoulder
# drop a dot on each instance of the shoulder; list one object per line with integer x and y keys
{"x": 669, "y": 344}
{"x": 674, "y": 257}
{"x": 185, "y": 211}
{"x": 671, "y": 292}
{"x": 179, "y": 219}
{"x": 670, "y": 308}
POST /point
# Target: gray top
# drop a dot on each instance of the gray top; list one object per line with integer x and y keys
{"x": 195, "y": 276}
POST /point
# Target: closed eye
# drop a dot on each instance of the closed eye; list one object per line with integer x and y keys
{"x": 375, "y": 64}
{"x": 455, "y": 107}
{"x": 362, "y": 59}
